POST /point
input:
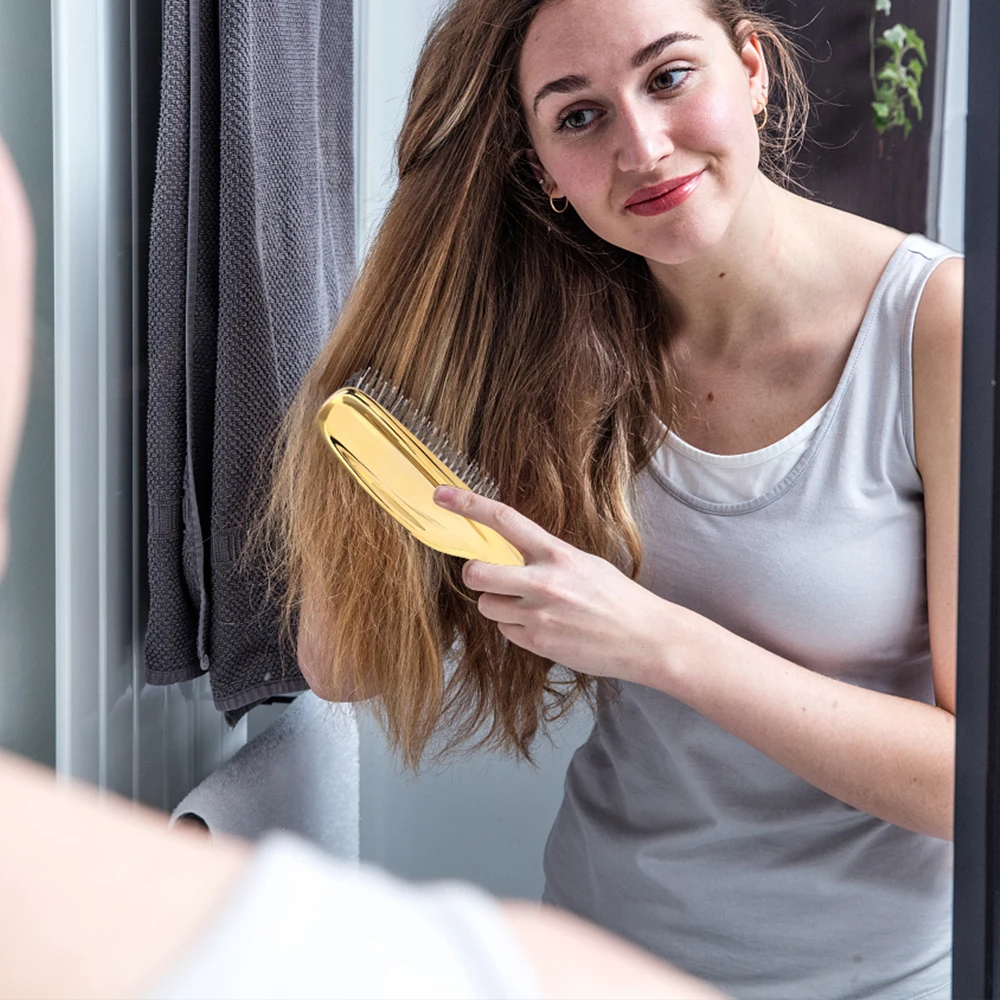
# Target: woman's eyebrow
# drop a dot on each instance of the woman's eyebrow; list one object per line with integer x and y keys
{"x": 569, "y": 84}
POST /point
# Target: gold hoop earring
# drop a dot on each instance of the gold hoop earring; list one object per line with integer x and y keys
{"x": 763, "y": 121}
{"x": 559, "y": 211}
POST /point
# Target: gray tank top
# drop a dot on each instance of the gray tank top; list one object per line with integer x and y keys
{"x": 680, "y": 837}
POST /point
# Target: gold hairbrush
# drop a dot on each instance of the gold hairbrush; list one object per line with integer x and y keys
{"x": 400, "y": 458}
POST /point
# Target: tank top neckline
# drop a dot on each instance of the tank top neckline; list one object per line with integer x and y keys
{"x": 747, "y": 458}
{"x": 830, "y": 411}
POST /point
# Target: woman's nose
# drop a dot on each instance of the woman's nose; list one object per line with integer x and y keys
{"x": 644, "y": 138}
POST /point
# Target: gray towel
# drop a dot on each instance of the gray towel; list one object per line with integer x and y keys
{"x": 251, "y": 256}
{"x": 301, "y": 774}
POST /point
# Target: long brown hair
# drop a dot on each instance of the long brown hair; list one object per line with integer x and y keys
{"x": 539, "y": 348}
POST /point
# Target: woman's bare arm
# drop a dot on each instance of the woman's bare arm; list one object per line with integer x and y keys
{"x": 572, "y": 958}
{"x": 889, "y": 756}
{"x": 99, "y": 899}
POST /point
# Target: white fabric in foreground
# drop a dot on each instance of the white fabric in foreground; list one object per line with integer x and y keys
{"x": 304, "y": 925}
{"x": 301, "y": 774}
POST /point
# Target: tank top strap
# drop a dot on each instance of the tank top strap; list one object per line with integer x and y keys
{"x": 884, "y": 364}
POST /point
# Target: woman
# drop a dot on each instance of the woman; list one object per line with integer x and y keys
{"x": 590, "y": 240}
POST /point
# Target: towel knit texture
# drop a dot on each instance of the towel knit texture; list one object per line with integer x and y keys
{"x": 251, "y": 257}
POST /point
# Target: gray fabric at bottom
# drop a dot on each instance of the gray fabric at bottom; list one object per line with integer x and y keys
{"x": 302, "y": 774}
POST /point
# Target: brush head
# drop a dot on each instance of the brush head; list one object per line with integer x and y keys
{"x": 390, "y": 398}
{"x": 399, "y": 458}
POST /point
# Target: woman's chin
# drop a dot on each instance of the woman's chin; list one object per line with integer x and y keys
{"x": 671, "y": 239}
{"x": 685, "y": 244}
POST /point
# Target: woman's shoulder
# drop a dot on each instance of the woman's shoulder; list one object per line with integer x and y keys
{"x": 860, "y": 242}
{"x": 937, "y": 329}
{"x": 850, "y": 250}
{"x": 937, "y": 365}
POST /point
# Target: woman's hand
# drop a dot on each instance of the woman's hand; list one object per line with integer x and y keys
{"x": 564, "y": 604}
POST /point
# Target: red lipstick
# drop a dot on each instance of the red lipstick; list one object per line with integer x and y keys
{"x": 663, "y": 197}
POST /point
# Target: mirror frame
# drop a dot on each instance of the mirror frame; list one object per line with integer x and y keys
{"x": 977, "y": 805}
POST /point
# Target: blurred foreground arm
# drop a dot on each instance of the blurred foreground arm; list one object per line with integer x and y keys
{"x": 17, "y": 258}
{"x": 99, "y": 899}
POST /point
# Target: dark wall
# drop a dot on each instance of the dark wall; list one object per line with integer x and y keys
{"x": 844, "y": 165}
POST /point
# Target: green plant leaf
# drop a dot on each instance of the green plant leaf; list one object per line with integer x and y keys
{"x": 895, "y": 37}
{"x": 896, "y": 86}
{"x": 883, "y": 6}
{"x": 915, "y": 42}
{"x": 883, "y": 117}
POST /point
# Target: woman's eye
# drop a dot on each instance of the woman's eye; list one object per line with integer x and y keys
{"x": 673, "y": 77}
{"x": 575, "y": 121}
{"x": 578, "y": 121}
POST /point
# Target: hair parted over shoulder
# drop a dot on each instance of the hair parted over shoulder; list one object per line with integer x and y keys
{"x": 537, "y": 346}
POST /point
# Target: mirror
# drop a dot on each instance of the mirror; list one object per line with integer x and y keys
{"x": 484, "y": 819}
{"x": 913, "y": 184}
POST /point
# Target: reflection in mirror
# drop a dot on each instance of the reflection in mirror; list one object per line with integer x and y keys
{"x": 766, "y": 796}
{"x": 784, "y": 770}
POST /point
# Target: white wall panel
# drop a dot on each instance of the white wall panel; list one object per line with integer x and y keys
{"x": 951, "y": 202}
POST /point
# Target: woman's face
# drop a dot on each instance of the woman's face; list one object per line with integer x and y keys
{"x": 626, "y": 95}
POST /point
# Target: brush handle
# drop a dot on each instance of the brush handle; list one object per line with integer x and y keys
{"x": 400, "y": 473}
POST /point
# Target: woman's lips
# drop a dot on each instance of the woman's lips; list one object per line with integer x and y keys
{"x": 670, "y": 198}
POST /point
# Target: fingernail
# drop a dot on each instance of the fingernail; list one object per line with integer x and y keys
{"x": 443, "y": 494}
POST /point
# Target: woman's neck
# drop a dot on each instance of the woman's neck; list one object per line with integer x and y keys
{"x": 744, "y": 286}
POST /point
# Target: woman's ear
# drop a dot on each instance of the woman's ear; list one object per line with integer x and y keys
{"x": 543, "y": 177}
{"x": 538, "y": 170}
{"x": 752, "y": 56}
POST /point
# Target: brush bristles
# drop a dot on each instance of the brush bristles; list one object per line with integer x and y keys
{"x": 390, "y": 398}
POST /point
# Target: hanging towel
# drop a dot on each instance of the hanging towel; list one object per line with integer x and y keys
{"x": 301, "y": 774}
{"x": 251, "y": 257}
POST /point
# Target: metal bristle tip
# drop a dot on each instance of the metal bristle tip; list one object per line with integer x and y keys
{"x": 408, "y": 414}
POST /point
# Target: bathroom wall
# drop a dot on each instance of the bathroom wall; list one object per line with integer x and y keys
{"x": 482, "y": 819}
{"x": 951, "y": 200}
{"x": 27, "y": 594}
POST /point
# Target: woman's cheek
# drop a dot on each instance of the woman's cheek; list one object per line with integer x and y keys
{"x": 715, "y": 123}
{"x": 580, "y": 175}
